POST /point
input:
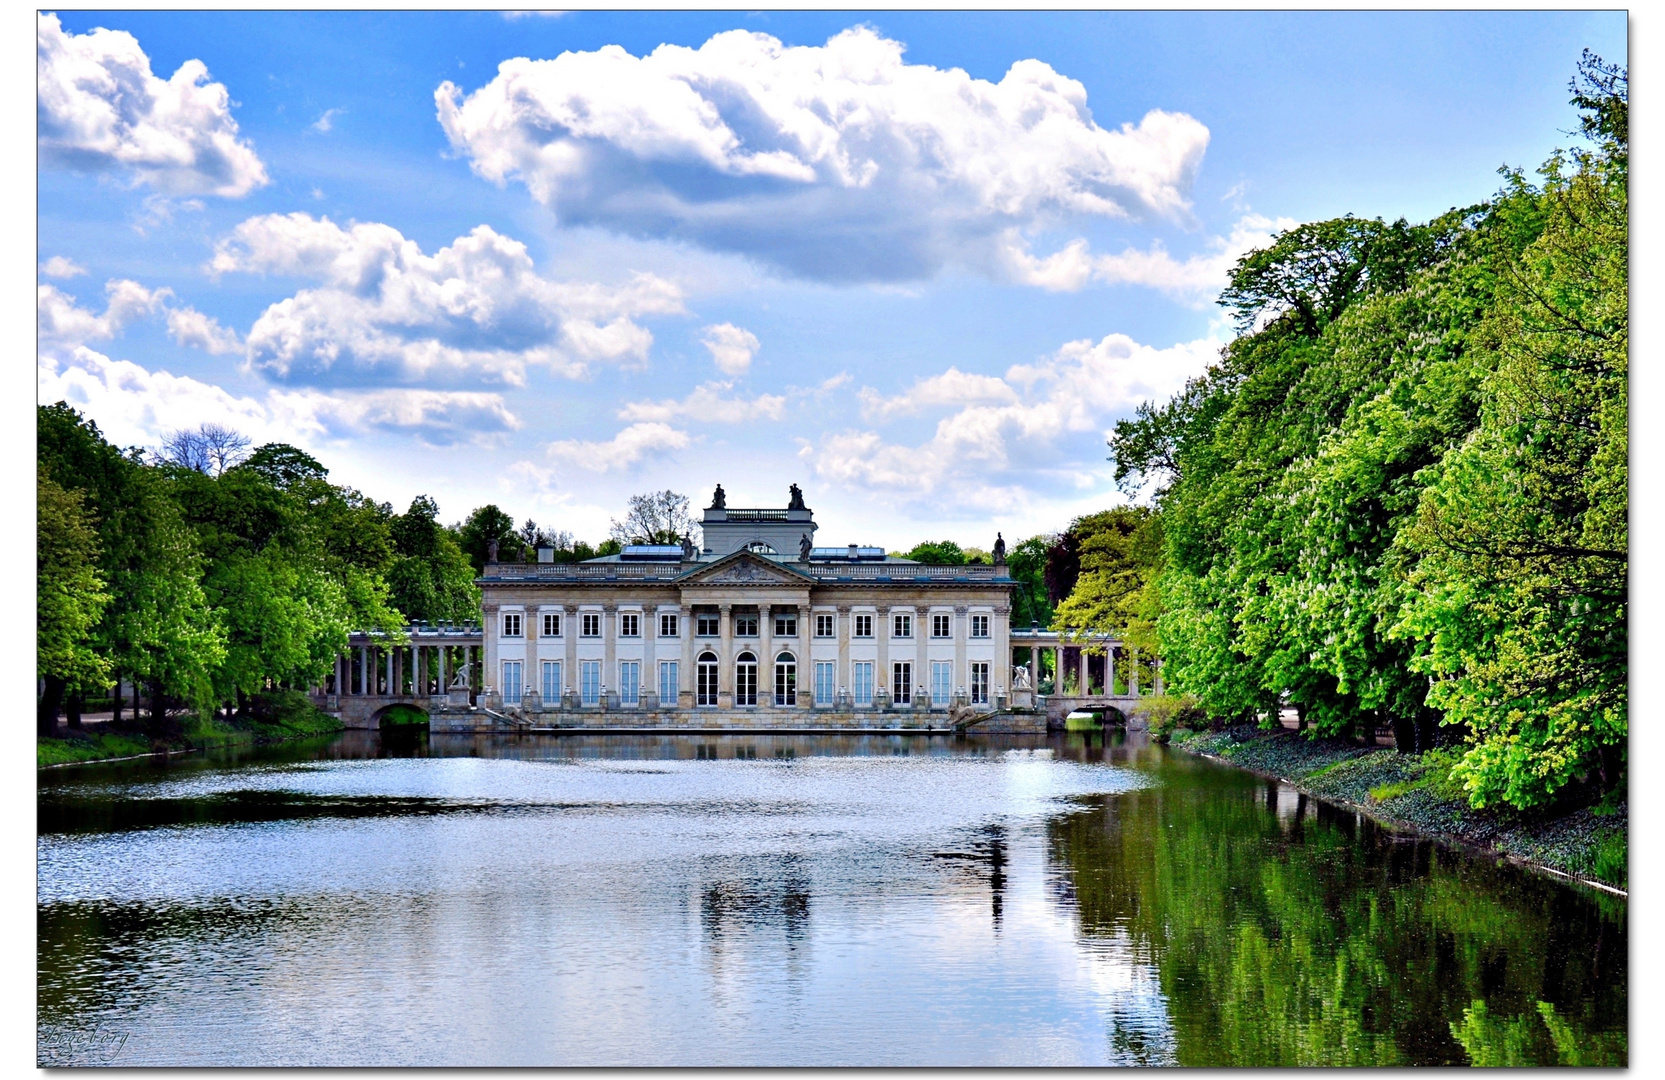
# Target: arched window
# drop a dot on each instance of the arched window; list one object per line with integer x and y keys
{"x": 786, "y": 679}
{"x": 761, "y": 547}
{"x": 707, "y": 682}
{"x": 745, "y": 679}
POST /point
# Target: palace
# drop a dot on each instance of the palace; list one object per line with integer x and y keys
{"x": 759, "y": 627}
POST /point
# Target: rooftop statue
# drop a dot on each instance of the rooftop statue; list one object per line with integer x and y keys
{"x": 717, "y": 499}
{"x": 491, "y": 551}
{"x": 688, "y": 549}
{"x": 999, "y": 550}
{"x": 797, "y": 502}
{"x": 805, "y": 544}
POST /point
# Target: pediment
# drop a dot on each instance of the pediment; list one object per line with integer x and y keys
{"x": 744, "y": 568}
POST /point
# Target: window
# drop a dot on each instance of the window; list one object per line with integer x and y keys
{"x": 707, "y": 676}
{"x": 551, "y": 625}
{"x": 980, "y": 684}
{"x": 708, "y": 624}
{"x": 511, "y": 624}
{"x": 942, "y": 626}
{"x": 942, "y": 682}
{"x": 630, "y": 682}
{"x": 669, "y": 685}
{"x": 980, "y": 626}
{"x": 786, "y": 679}
{"x": 667, "y": 626}
{"x": 511, "y": 680}
{"x": 592, "y": 624}
{"x": 901, "y": 626}
{"x": 745, "y": 679}
{"x": 551, "y": 680}
{"x": 630, "y": 624}
{"x": 862, "y": 682}
{"x": 786, "y": 625}
{"x": 589, "y": 682}
{"x": 864, "y": 626}
{"x": 901, "y": 683}
{"x": 745, "y": 624}
{"x": 824, "y": 681}
{"x": 826, "y": 625}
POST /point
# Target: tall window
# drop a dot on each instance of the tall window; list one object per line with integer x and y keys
{"x": 942, "y": 681}
{"x": 942, "y": 626}
{"x": 861, "y": 682}
{"x": 667, "y": 626}
{"x": 707, "y": 676}
{"x": 630, "y": 625}
{"x": 825, "y": 625}
{"x": 786, "y": 625}
{"x": 630, "y": 682}
{"x": 708, "y": 624}
{"x": 511, "y": 680}
{"x": 901, "y": 682}
{"x": 669, "y": 685}
{"x": 980, "y": 683}
{"x": 551, "y": 625}
{"x": 824, "y": 676}
{"x": 592, "y": 624}
{"x": 589, "y": 682}
{"x": 901, "y": 626}
{"x": 745, "y": 678}
{"x": 864, "y": 626}
{"x": 511, "y": 624}
{"x": 980, "y": 626}
{"x": 786, "y": 679}
{"x": 551, "y": 680}
{"x": 745, "y": 624}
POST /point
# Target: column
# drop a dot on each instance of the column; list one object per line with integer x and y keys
{"x": 569, "y": 629}
{"x": 358, "y": 674}
{"x": 881, "y": 636}
{"x": 686, "y": 670}
{"x": 398, "y": 685}
{"x": 1001, "y": 632}
{"x": 1158, "y": 676}
{"x": 609, "y": 648}
{"x": 725, "y": 656}
{"x": 650, "y": 651}
{"x": 1058, "y": 669}
{"x": 806, "y": 666}
{"x": 962, "y": 673}
{"x": 766, "y": 654}
{"x": 1083, "y": 663}
{"x": 922, "y": 652}
{"x": 1109, "y": 666}
{"x": 440, "y": 673}
{"x": 843, "y": 677}
{"x": 338, "y": 686}
{"x": 1133, "y": 674}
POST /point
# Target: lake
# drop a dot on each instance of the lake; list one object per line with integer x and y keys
{"x": 785, "y": 900}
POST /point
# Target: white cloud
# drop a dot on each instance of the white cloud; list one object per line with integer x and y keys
{"x": 326, "y": 122}
{"x": 437, "y": 418}
{"x": 100, "y": 108}
{"x": 188, "y": 326}
{"x": 837, "y": 162}
{"x": 1005, "y": 436}
{"x": 384, "y": 311}
{"x": 58, "y": 266}
{"x": 60, "y": 322}
{"x": 732, "y": 348}
{"x": 630, "y": 446}
{"x": 706, "y": 404}
{"x": 1196, "y": 279}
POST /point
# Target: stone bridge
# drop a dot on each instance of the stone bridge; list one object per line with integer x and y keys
{"x": 423, "y": 671}
{"x": 1088, "y": 674}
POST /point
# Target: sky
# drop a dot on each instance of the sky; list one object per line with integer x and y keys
{"x": 917, "y": 263}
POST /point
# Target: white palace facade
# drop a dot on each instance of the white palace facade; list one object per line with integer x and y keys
{"x": 759, "y": 626}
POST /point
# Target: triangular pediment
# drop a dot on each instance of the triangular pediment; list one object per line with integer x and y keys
{"x": 746, "y": 568}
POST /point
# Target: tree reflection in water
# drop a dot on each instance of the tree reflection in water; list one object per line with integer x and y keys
{"x": 1287, "y": 932}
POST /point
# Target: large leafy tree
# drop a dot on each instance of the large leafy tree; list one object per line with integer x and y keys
{"x": 70, "y": 597}
{"x": 430, "y": 579}
{"x": 487, "y": 525}
{"x": 655, "y": 517}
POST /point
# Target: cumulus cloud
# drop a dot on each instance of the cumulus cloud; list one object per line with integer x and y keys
{"x": 100, "y": 109}
{"x": 1001, "y": 435}
{"x": 61, "y": 322}
{"x": 732, "y": 348}
{"x": 1195, "y": 280}
{"x": 188, "y": 326}
{"x": 59, "y": 266}
{"x": 706, "y": 404}
{"x": 837, "y": 162}
{"x": 630, "y": 446}
{"x": 384, "y": 312}
{"x": 433, "y": 417}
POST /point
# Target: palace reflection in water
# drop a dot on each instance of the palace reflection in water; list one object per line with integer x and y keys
{"x": 749, "y": 899}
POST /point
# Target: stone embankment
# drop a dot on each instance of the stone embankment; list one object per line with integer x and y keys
{"x": 1416, "y": 792}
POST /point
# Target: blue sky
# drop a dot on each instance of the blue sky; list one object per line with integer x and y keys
{"x": 918, "y": 263}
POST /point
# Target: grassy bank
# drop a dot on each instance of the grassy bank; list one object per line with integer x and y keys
{"x": 1417, "y": 791}
{"x": 272, "y": 717}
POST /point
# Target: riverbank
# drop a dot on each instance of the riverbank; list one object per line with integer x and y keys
{"x": 1416, "y": 792}
{"x": 272, "y": 718}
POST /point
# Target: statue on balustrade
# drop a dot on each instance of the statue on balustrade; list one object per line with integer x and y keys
{"x": 805, "y": 546}
{"x": 718, "y": 499}
{"x": 797, "y": 502}
{"x": 999, "y": 550}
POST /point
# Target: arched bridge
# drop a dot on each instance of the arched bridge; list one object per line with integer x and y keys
{"x": 376, "y": 673}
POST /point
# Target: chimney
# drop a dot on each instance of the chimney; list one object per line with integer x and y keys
{"x": 852, "y": 553}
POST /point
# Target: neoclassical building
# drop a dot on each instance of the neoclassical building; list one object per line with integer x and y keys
{"x": 758, "y": 626}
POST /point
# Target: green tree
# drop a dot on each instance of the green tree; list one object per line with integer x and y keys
{"x": 484, "y": 526}
{"x": 430, "y": 579}
{"x": 1120, "y": 555}
{"x": 1026, "y": 564}
{"x": 70, "y": 598}
{"x": 937, "y": 553}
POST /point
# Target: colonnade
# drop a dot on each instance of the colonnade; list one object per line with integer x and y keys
{"x": 414, "y": 670}
{"x": 1057, "y": 646}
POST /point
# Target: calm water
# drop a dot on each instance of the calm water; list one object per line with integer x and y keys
{"x": 784, "y": 900}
